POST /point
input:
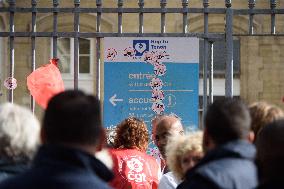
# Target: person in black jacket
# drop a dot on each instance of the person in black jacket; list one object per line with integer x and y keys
{"x": 19, "y": 138}
{"x": 270, "y": 155}
{"x": 71, "y": 135}
{"x": 229, "y": 159}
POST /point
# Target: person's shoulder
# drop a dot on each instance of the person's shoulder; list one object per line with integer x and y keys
{"x": 229, "y": 172}
{"x": 197, "y": 181}
{"x": 170, "y": 175}
{"x": 13, "y": 183}
{"x": 97, "y": 183}
{"x": 153, "y": 161}
{"x": 167, "y": 177}
{"x": 168, "y": 180}
{"x": 47, "y": 182}
{"x": 151, "y": 158}
{"x": 117, "y": 153}
{"x": 271, "y": 184}
{"x": 114, "y": 150}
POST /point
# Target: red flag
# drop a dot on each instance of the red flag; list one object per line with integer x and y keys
{"x": 45, "y": 82}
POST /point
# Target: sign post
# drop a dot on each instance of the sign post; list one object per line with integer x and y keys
{"x": 148, "y": 76}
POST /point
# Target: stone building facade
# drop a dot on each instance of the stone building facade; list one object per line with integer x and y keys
{"x": 261, "y": 69}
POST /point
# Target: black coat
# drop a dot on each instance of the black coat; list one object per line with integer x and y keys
{"x": 61, "y": 168}
{"x": 230, "y": 166}
{"x": 273, "y": 184}
{"x": 10, "y": 168}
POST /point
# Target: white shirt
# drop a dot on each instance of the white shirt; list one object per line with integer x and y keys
{"x": 168, "y": 181}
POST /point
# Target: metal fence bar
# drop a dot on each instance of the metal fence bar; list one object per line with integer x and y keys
{"x": 260, "y": 34}
{"x": 119, "y": 24}
{"x": 98, "y": 51}
{"x": 98, "y": 71}
{"x": 211, "y": 72}
{"x": 229, "y": 50}
{"x": 163, "y": 4}
{"x": 76, "y": 44}
{"x": 146, "y": 10}
{"x": 94, "y": 35}
{"x": 122, "y": 10}
{"x": 184, "y": 17}
{"x": 215, "y": 36}
{"x": 205, "y": 62}
{"x": 12, "y": 4}
{"x": 251, "y": 6}
{"x": 33, "y": 47}
{"x": 141, "y": 17}
{"x": 258, "y": 11}
{"x": 55, "y": 29}
{"x": 273, "y": 6}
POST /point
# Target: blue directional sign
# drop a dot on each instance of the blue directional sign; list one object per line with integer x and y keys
{"x": 127, "y": 77}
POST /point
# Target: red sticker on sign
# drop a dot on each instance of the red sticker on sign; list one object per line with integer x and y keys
{"x": 158, "y": 107}
{"x": 160, "y": 69}
{"x": 156, "y": 83}
{"x": 10, "y": 83}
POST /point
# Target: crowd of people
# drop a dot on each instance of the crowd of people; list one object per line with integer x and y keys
{"x": 239, "y": 148}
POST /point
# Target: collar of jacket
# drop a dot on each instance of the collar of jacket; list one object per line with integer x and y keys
{"x": 50, "y": 154}
{"x": 234, "y": 149}
{"x": 12, "y": 166}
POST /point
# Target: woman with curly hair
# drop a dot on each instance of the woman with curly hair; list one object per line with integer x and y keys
{"x": 133, "y": 168}
{"x": 182, "y": 154}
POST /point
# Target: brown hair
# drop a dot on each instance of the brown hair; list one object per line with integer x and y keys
{"x": 269, "y": 145}
{"x": 262, "y": 114}
{"x": 131, "y": 133}
{"x": 226, "y": 120}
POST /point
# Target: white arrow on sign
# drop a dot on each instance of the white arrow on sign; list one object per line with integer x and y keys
{"x": 113, "y": 99}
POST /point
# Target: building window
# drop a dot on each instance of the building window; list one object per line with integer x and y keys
{"x": 2, "y": 54}
{"x": 219, "y": 69}
{"x": 65, "y": 53}
{"x": 219, "y": 58}
{"x": 200, "y": 110}
{"x": 85, "y": 56}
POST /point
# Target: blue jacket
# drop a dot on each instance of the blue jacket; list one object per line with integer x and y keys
{"x": 230, "y": 166}
{"x": 61, "y": 168}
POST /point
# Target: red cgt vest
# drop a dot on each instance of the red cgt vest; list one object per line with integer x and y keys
{"x": 134, "y": 169}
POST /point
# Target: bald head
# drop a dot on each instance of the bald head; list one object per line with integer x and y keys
{"x": 166, "y": 127}
{"x": 170, "y": 123}
{"x": 155, "y": 122}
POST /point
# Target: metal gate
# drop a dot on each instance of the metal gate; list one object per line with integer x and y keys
{"x": 10, "y": 7}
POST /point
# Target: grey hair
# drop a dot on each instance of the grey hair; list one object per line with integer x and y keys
{"x": 19, "y": 132}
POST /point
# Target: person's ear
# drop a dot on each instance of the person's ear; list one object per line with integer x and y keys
{"x": 205, "y": 140}
{"x": 153, "y": 139}
{"x": 102, "y": 143}
{"x": 208, "y": 143}
{"x": 42, "y": 136}
{"x": 251, "y": 137}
